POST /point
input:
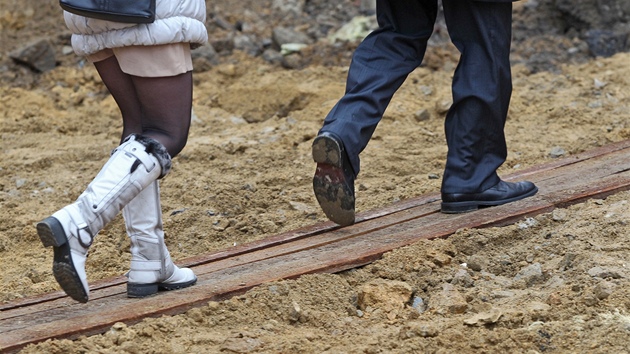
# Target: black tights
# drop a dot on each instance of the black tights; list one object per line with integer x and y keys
{"x": 156, "y": 107}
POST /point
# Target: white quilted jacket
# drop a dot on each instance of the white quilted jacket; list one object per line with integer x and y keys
{"x": 176, "y": 21}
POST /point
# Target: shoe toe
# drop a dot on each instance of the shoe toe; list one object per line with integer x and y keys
{"x": 502, "y": 193}
{"x": 181, "y": 278}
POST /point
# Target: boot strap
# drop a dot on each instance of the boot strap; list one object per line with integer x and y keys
{"x": 146, "y": 265}
{"x": 82, "y": 228}
{"x": 132, "y": 149}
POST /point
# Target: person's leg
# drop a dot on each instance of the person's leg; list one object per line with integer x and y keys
{"x": 143, "y": 157}
{"x": 482, "y": 87}
{"x": 160, "y": 108}
{"x": 151, "y": 266}
{"x": 167, "y": 107}
{"x": 149, "y": 106}
{"x": 137, "y": 163}
{"x": 120, "y": 85}
{"x": 474, "y": 126}
{"x": 379, "y": 66}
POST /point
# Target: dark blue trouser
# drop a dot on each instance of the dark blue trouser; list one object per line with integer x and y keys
{"x": 482, "y": 84}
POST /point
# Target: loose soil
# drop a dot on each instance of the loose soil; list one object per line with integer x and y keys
{"x": 559, "y": 282}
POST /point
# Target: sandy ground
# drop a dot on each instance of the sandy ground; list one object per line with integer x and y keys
{"x": 559, "y": 282}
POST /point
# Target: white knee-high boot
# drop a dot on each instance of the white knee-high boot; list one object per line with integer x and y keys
{"x": 151, "y": 266}
{"x": 135, "y": 164}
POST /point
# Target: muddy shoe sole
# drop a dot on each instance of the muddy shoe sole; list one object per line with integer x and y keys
{"x": 52, "y": 235}
{"x": 333, "y": 187}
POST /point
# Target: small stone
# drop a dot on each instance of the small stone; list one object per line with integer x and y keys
{"x": 448, "y": 301}
{"x": 556, "y": 152}
{"x": 296, "y": 312}
{"x": 484, "y": 318}
{"x": 38, "y": 55}
{"x": 559, "y": 215}
{"x": 443, "y": 106}
{"x": 601, "y": 272}
{"x": 462, "y": 278}
{"x": 477, "y": 263}
{"x": 418, "y": 329}
{"x": 603, "y": 290}
{"x": 422, "y": 115}
{"x": 418, "y": 304}
{"x": 530, "y": 274}
{"x": 386, "y": 295}
{"x": 554, "y": 299}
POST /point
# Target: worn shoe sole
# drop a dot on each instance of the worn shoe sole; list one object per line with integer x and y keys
{"x": 329, "y": 183}
{"x": 51, "y": 234}
{"x": 467, "y": 206}
{"x": 136, "y": 290}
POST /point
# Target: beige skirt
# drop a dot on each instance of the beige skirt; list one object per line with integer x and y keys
{"x": 149, "y": 61}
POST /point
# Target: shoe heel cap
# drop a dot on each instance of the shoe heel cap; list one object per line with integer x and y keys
{"x": 51, "y": 232}
{"x": 458, "y": 209}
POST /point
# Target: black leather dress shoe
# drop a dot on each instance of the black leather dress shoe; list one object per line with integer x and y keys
{"x": 333, "y": 182}
{"x": 503, "y": 192}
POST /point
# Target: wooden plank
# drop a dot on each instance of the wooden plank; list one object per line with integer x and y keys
{"x": 319, "y": 248}
{"x": 327, "y": 226}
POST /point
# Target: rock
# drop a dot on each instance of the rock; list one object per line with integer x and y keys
{"x": 477, "y": 263}
{"x": 556, "y": 152}
{"x": 295, "y": 312}
{"x": 205, "y": 52}
{"x": 554, "y": 299}
{"x": 367, "y": 6}
{"x": 605, "y": 43}
{"x": 299, "y": 206}
{"x": 567, "y": 261}
{"x": 292, "y": 61}
{"x": 38, "y": 55}
{"x": 603, "y": 290}
{"x": 462, "y": 278}
{"x": 503, "y": 294}
{"x": 448, "y": 301}
{"x": 272, "y": 56}
{"x": 284, "y": 35}
{"x": 422, "y": 115}
{"x": 418, "y": 304}
{"x": 291, "y": 48}
{"x": 559, "y": 215}
{"x": 530, "y": 274}
{"x": 386, "y": 295}
{"x": 606, "y": 272}
{"x": 293, "y": 7}
{"x": 484, "y": 318}
{"x": 418, "y": 329}
{"x": 536, "y": 306}
{"x": 443, "y": 106}
{"x": 247, "y": 44}
{"x": 355, "y": 30}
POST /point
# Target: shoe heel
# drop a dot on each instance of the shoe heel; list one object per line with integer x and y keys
{"x": 456, "y": 208}
{"x": 141, "y": 290}
{"x": 326, "y": 150}
{"x": 51, "y": 232}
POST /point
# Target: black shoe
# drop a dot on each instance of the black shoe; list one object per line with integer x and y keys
{"x": 503, "y": 192}
{"x": 333, "y": 182}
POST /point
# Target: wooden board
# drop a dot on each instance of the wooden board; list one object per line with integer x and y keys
{"x": 317, "y": 248}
